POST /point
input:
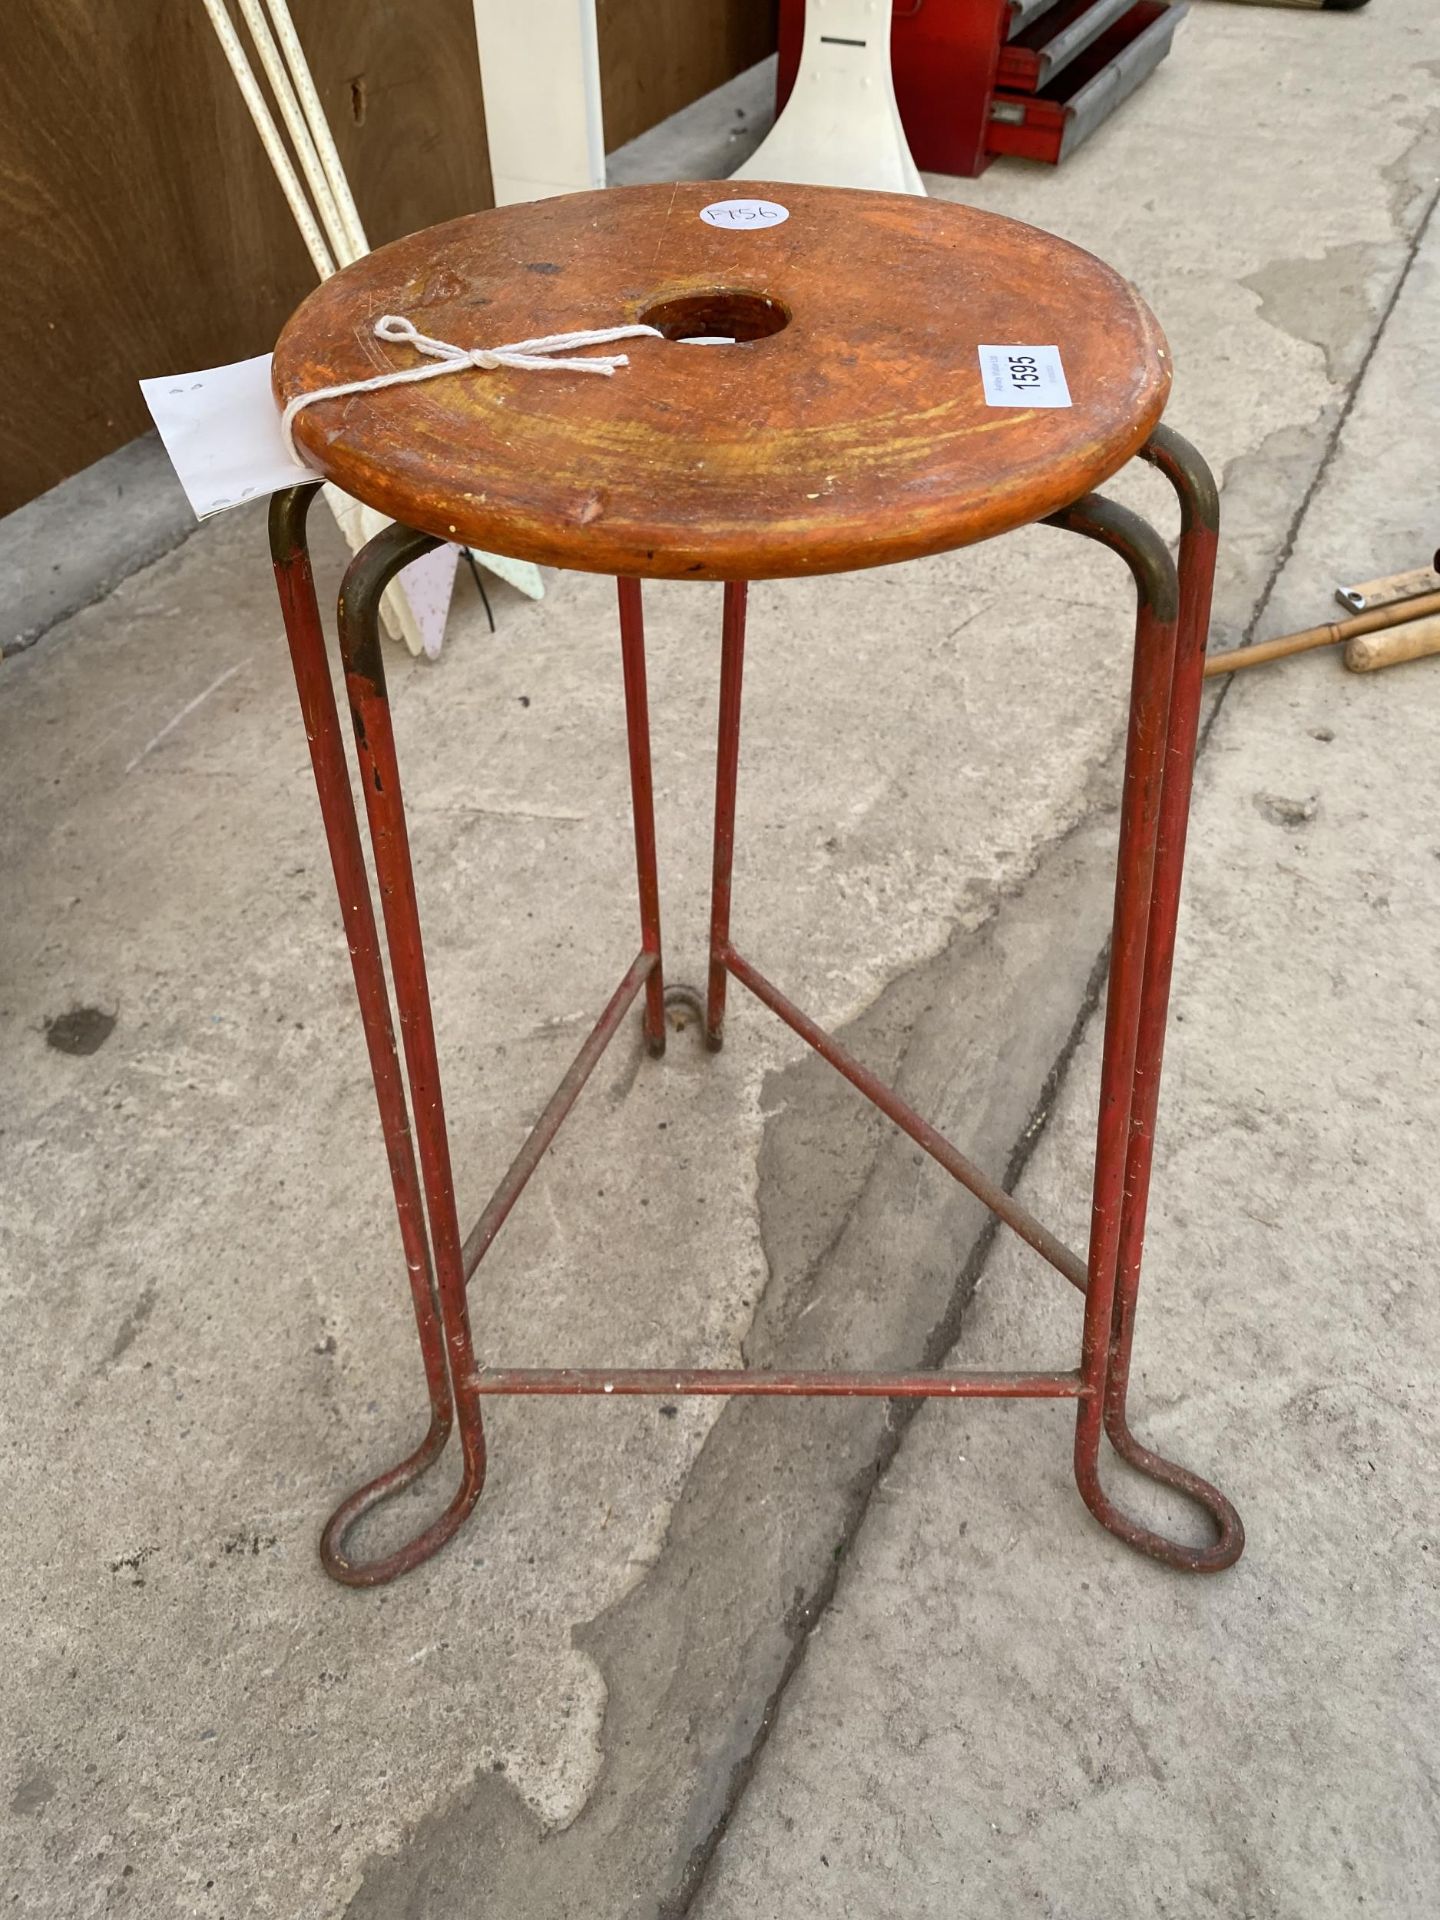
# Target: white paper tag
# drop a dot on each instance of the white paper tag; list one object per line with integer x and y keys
{"x": 221, "y": 429}
{"x": 744, "y": 213}
{"x": 1023, "y": 377}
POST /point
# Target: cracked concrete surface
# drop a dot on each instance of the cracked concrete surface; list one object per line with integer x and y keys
{"x": 203, "y": 1303}
{"x": 1003, "y": 1710}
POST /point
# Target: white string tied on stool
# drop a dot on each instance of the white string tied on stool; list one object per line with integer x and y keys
{"x": 532, "y": 356}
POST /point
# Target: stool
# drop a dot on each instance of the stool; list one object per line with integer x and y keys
{"x": 846, "y": 427}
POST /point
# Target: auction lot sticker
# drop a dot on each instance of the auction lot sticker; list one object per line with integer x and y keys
{"x": 1023, "y": 377}
{"x": 742, "y": 215}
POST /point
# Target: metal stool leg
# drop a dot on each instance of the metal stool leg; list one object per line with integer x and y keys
{"x": 1200, "y": 527}
{"x": 1159, "y": 757}
{"x": 642, "y": 803}
{"x": 288, "y": 513}
{"x": 366, "y": 579}
{"x": 727, "y": 770}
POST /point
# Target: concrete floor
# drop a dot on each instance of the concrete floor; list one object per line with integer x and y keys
{"x": 760, "y": 1659}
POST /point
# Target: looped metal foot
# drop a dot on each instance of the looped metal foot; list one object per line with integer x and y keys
{"x": 1229, "y": 1541}
{"x": 351, "y": 1572}
{"x": 691, "y": 999}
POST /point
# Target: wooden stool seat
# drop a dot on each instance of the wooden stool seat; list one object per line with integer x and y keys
{"x": 848, "y": 427}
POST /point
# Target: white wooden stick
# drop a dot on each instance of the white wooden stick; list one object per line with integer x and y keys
{"x": 298, "y": 129}
{"x": 319, "y": 126}
{"x": 358, "y": 523}
{"x": 270, "y": 137}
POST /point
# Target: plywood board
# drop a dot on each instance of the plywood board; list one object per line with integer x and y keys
{"x": 141, "y": 227}
{"x": 657, "y": 56}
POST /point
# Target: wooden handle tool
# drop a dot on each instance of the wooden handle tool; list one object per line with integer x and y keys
{"x": 1370, "y": 594}
{"x": 1406, "y": 613}
{"x": 1412, "y": 640}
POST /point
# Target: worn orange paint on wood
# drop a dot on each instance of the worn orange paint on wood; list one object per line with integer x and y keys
{"x": 855, "y": 435}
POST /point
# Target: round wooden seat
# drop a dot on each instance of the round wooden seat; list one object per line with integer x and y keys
{"x": 847, "y": 427}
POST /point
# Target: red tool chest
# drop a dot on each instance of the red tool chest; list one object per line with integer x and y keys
{"x": 974, "y": 78}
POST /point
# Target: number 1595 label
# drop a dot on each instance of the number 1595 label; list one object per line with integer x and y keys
{"x": 1023, "y": 377}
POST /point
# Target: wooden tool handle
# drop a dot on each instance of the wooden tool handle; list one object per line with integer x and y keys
{"x": 1369, "y": 594}
{"x": 1407, "y": 611}
{"x": 1412, "y": 641}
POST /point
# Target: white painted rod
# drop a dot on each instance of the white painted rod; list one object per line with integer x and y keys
{"x": 319, "y": 127}
{"x": 270, "y": 137}
{"x": 298, "y": 129}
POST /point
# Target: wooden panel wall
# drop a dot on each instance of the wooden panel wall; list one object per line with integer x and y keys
{"x": 142, "y": 230}
{"x": 656, "y": 56}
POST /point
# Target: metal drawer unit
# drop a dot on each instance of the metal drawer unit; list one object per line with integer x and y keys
{"x": 1052, "y": 121}
{"x": 1036, "y": 53}
{"x": 976, "y": 78}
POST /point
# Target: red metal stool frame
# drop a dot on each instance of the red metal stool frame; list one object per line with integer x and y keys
{"x": 1171, "y": 627}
